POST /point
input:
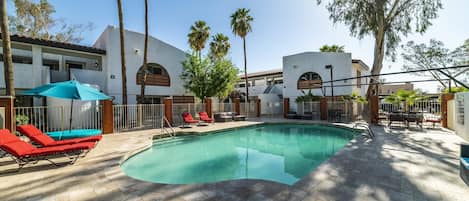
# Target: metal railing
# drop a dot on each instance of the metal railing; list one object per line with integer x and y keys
{"x": 272, "y": 109}
{"x": 425, "y": 106}
{"x": 137, "y": 117}
{"x": 192, "y": 108}
{"x": 248, "y": 109}
{"x": 339, "y": 111}
{"x": 311, "y": 108}
{"x": 223, "y": 107}
{"x": 57, "y": 118}
{"x": 165, "y": 125}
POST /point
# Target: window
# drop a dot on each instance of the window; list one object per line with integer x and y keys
{"x": 75, "y": 64}
{"x": 309, "y": 80}
{"x": 359, "y": 79}
{"x": 242, "y": 85}
{"x": 52, "y": 64}
{"x": 149, "y": 99}
{"x": 19, "y": 59}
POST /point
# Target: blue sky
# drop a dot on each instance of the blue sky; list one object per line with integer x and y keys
{"x": 280, "y": 27}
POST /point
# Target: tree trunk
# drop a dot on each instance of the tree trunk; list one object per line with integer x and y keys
{"x": 122, "y": 46}
{"x": 145, "y": 54}
{"x": 6, "y": 44}
{"x": 377, "y": 64}
{"x": 245, "y": 70}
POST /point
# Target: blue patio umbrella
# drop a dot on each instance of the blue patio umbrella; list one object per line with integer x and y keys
{"x": 72, "y": 90}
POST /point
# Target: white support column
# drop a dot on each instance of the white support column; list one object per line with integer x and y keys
{"x": 37, "y": 65}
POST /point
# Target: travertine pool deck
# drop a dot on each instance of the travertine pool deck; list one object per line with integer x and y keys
{"x": 398, "y": 164}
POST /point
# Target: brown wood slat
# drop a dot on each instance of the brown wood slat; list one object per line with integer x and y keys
{"x": 154, "y": 80}
{"x": 183, "y": 99}
{"x": 309, "y": 84}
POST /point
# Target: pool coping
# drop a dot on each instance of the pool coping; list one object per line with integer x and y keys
{"x": 354, "y": 140}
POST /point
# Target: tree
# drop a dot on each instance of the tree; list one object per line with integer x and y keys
{"x": 434, "y": 55}
{"x": 386, "y": 21}
{"x": 219, "y": 46}
{"x": 35, "y": 20}
{"x": 241, "y": 26}
{"x": 408, "y": 98}
{"x": 6, "y": 44}
{"x": 145, "y": 55}
{"x": 332, "y": 48}
{"x": 122, "y": 46}
{"x": 208, "y": 78}
{"x": 224, "y": 77}
{"x": 198, "y": 36}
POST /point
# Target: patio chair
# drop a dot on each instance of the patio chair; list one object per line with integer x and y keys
{"x": 464, "y": 163}
{"x": 414, "y": 117}
{"x": 44, "y": 140}
{"x": 24, "y": 153}
{"x": 204, "y": 117}
{"x": 187, "y": 119}
{"x": 396, "y": 116}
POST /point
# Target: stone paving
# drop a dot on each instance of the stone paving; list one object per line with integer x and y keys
{"x": 398, "y": 164}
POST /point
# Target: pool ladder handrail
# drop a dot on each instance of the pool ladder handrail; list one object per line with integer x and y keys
{"x": 366, "y": 127}
{"x": 164, "y": 122}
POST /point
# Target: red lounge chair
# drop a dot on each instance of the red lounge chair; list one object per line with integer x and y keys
{"x": 187, "y": 119}
{"x": 204, "y": 117}
{"x": 24, "y": 153}
{"x": 46, "y": 141}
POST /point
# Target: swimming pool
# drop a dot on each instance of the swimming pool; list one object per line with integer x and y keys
{"x": 277, "y": 152}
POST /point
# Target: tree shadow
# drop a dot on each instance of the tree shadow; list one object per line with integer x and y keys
{"x": 397, "y": 165}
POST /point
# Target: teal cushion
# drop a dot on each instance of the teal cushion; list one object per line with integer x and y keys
{"x": 465, "y": 162}
{"x": 77, "y": 133}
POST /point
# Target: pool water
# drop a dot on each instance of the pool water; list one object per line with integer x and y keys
{"x": 277, "y": 152}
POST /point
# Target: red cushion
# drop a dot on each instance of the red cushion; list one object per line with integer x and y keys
{"x": 79, "y": 146}
{"x": 36, "y": 135}
{"x": 187, "y": 117}
{"x": 7, "y": 137}
{"x": 78, "y": 140}
{"x": 18, "y": 148}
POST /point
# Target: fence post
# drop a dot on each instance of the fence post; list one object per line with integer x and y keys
{"x": 208, "y": 106}
{"x": 8, "y": 102}
{"x": 374, "y": 109}
{"x": 258, "y": 107}
{"x": 168, "y": 109}
{"x": 286, "y": 107}
{"x": 323, "y": 108}
{"x": 108, "y": 117}
{"x": 236, "y": 105}
{"x": 444, "y": 108}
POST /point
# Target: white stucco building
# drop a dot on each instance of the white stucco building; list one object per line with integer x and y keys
{"x": 305, "y": 71}
{"x": 38, "y": 62}
{"x": 164, "y": 66}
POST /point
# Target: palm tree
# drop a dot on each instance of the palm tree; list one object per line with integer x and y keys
{"x": 219, "y": 46}
{"x": 6, "y": 44}
{"x": 123, "y": 67}
{"x": 198, "y": 36}
{"x": 241, "y": 26}
{"x": 145, "y": 55}
{"x": 403, "y": 96}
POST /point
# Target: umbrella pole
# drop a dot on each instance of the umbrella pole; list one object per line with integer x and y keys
{"x": 71, "y": 117}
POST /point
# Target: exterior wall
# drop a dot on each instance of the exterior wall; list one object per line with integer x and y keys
{"x": 158, "y": 52}
{"x": 296, "y": 65}
{"x": 391, "y": 89}
{"x": 461, "y": 104}
{"x": 360, "y": 90}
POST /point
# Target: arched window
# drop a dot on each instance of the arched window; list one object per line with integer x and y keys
{"x": 309, "y": 80}
{"x": 156, "y": 75}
